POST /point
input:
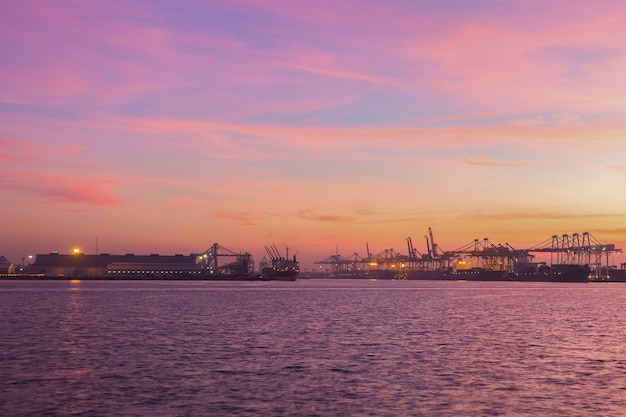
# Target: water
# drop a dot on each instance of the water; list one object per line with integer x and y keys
{"x": 311, "y": 348}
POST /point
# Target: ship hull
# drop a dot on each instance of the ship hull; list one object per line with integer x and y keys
{"x": 478, "y": 275}
{"x": 271, "y": 274}
{"x": 612, "y": 275}
{"x": 557, "y": 273}
{"x": 429, "y": 275}
{"x": 375, "y": 274}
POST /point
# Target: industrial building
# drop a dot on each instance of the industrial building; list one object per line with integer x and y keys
{"x": 128, "y": 266}
{"x": 6, "y": 267}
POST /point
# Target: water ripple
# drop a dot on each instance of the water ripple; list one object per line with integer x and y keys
{"x": 311, "y": 348}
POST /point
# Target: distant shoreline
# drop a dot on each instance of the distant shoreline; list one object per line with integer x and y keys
{"x": 53, "y": 278}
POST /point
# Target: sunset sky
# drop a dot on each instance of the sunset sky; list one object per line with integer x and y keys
{"x": 164, "y": 126}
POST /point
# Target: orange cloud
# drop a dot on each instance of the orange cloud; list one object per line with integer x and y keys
{"x": 308, "y": 214}
{"x": 618, "y": 167}
{"x": 179, "y": 205}
{"x": 534, "y": 214}
{"x": 240, "y": 217}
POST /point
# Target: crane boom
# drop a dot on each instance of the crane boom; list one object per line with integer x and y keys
{"x": 432, "y": 242}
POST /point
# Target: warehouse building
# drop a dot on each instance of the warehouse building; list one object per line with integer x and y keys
{"x": 6, "y": 267}
{"x": 128, "y": 266}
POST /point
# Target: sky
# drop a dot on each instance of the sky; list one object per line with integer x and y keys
{"x": 149, "y": 126}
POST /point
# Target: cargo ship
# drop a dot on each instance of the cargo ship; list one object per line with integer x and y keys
{"x": 281, "y": 268}
{"x": 542, "y": 272}
{"x": 367, "y": 274}
{"x": 464, "y": 271}
{"x": 429, "y": 274}
{"x": 612, "y": 274}
{"x": 282, "y": 271}
{"x": 478, "y": 274}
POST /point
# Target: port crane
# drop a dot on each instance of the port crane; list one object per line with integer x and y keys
{"x": 240, "y": 263}
{"x": 578, "y": 249}
{"x": 574, "y": 249}
{"x": 433, "y": 259}
{"x": 342, "y": 265}
{"x": 566, "y": 249}
{"x": 487, "y": 255}
{"x": 387, "y": 259}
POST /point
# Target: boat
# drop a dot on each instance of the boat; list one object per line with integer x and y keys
{"x": 428, "y": 274}
{"x": 478, "y": 274}
{"x": 554, "y": 273}
{"x": 281, "y": 272}
{"x": 367, "y": 274}
{"x": 609, "y": 274}
{"x": 464, "y": 271}
{"x": 281, "y": 268}
{"x": 523, "y": 273}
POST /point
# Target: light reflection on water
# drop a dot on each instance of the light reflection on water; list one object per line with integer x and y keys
{"x": 312, "y": 347}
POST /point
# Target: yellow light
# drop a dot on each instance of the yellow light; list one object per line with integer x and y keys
{"x": 76, "y": 251}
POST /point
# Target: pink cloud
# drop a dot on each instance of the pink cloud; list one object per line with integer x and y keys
{"x": 488, "y": 60}
{"x": 30, "y": 169}
{"x": 15, "y": 151}
{"x": 534, "y": 122}
{"x": 484, "y": 161}
{"x": 42, "y": 155}
{"x": 59, "y": 189}
{"x": 480, "y": 57}
{"x": 588, "y": 136}
{"x": 337, "y": 73}
{"x": 65, "y": 54}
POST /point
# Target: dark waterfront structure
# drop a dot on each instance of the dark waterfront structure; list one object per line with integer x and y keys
{"x": 573, "y": 258}
{"x": 104, "y": 265}
{"x": 216, "y": 263}
{"x": 6, "y": 267}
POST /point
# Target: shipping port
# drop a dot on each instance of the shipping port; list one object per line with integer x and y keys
{"x": 578, "y": 257}
{"x": 217, "y": 263}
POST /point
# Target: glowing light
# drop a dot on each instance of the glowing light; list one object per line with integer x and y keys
{"x": 76, "y": 251}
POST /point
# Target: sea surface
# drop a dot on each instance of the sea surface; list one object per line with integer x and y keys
{"x": 312, "y": 348}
